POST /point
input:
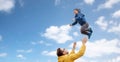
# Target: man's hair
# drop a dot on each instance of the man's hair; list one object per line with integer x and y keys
{"x": 77, "y": 10}
{"x": 59, "y": 52}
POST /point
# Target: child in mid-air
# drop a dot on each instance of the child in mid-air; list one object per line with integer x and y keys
{"x": 80, "y": 18}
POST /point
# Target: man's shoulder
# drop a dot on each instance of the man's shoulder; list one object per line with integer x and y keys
{"x": 64, "y": 57}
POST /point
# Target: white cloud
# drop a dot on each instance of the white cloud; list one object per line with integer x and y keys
{"x": 25, "y": 51}
{"x": 59, "y": 34}
{"x": 33, "y": 43}
{"x": 108, "y": 4}
{"x": 6, "y": 5}
{"x": 102, "y": 23}
{"x": 75, "y": 34}
{"x": 100, "y": 47}
{"x": 116, "y": 14}
{"x": 21, "y": 56}
{"x": 38, "y": 42}
{"x": 19, "y": 51}
{"x": 117, "y": 59}
{"x": 29, "y": 51}
{"x": 37, "y": 60}
{"x": 115, "y": 29}
{"x": 21, "y": 3}
{"x": 81, "y": 60}
{"x": 49, "y": 53}
{"x": 49, "y": 60}
{"x": 3, "y": 54}
{"x": 41, "y": 43}
{"x": 48, "y": 44}
{"x": 57, "y": 2}
{"x": 0, "y": 38}
{"x": 95, "y": 50}
{"x": 110, "y": 26}
{"x": 89, "y": 1}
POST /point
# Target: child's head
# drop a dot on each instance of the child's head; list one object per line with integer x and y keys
{"x": 76, "y": 11}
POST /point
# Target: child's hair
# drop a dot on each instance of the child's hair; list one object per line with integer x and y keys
{"x": 77, "y": 10}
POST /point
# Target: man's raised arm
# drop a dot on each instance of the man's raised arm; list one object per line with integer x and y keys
{"x": 73, "y": 49}
{"x": 81, "y": 51}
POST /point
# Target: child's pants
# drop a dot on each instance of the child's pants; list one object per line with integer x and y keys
{"x": 85, "y": 29}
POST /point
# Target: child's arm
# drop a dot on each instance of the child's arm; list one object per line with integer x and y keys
{"x": 74, "y": 23}
{"x": 79, "y": 16}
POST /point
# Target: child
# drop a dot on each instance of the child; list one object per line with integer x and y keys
{"x": 80, "y": 18}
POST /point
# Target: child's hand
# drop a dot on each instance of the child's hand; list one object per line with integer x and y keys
{"x": 70, "y": 25}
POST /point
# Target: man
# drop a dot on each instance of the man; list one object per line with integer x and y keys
{"x": 64, "y": 56}
{"x": 80, "y": 18}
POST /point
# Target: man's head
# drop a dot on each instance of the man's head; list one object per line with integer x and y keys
{"x": 76, "y": 11}
{"x": 61, "y": 51}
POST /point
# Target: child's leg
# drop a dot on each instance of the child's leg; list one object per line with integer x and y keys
{"x": 84, "y": 29}
{"x": 90, "y": 30}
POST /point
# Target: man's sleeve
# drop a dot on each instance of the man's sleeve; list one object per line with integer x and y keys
{"x": 79, "y": 54}
{"x": 72, "y": 52}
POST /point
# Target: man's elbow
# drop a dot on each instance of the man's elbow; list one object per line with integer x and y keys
{"x": 82, "y": 53}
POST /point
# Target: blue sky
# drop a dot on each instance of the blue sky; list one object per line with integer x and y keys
{"x": 32, "y": 30}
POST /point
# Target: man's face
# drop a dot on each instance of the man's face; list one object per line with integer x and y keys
{"x": 75, "y": 12}
{"x": 64, "y": 51}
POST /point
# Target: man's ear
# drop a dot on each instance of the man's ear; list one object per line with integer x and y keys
{"x": 63, "y": 53}
{"x": 67, "y": 52}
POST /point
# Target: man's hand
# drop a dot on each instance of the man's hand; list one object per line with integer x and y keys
{"x": 84, "y": 40}
{"x": 74, "y": 45}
